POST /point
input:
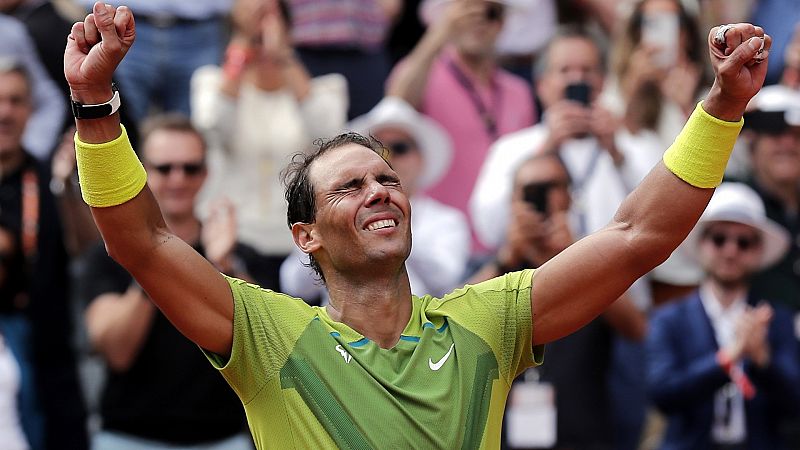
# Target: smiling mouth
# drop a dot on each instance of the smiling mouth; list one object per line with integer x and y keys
{"x": 381, "y": 224}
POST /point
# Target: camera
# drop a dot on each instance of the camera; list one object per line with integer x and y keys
{"x": 536, "y": 195}
{"x": 578, "y": 92}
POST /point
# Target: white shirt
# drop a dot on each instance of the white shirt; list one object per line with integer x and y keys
{"x": 728, "y": 426}
{"x": 440, "y": 244}
{"x": 11, "y": 434}
{"x": 252, "y": 138}
{"x": 601, "y": 186}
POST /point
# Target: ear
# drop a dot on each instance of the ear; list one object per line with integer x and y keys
{"x": 305, "y": 237}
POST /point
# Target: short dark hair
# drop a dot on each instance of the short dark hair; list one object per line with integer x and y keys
{"x": 299, "y": 191}
{"x": 10, "y": 64}
{"x": 172, "y": 121}
{"x": 542, "y": 63}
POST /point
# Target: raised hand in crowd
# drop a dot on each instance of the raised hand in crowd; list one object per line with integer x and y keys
{"x": 219, "y": 237}
{"x": 751, "y": 331}
{"x": 261, "y": 49}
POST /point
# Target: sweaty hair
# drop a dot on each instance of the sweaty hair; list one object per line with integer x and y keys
{"x": 299, "y": 191}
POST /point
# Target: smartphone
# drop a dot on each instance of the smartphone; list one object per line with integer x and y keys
{"x": 578, "y": 92}
{"x": 536, "y": 195}
{"x": 662, "y": 30}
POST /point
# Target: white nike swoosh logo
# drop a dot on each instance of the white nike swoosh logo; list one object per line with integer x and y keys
{"x": 438, "y": 365}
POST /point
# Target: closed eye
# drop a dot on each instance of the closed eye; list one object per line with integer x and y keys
{"x": 388, "y": 179}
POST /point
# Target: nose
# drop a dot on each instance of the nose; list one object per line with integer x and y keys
{"x": 377, "y": 193}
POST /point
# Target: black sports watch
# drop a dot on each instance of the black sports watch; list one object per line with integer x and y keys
{"x": 81, "y": 111}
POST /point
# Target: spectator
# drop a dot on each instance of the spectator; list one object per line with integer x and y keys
{"x": 420, "y": 152}
{"x": 452, "y": 77}
{"x": 578, "y": 365}
{"x": 34, "y": 310}
{"x": 658, "y": 68}
{"x": 723, "y": 363}
{"x": 49, "y": 107}
{"x": 774, "y": 136}
{"x": 159, "y": 392}
{"x": 173, "y": 39}
{"x": 603, "y": 160}
{"x": 11, "y": 411}
{"x": 346, "y": 37}
{"x": 529, "y": 25}
{"x": 256, "y": 111}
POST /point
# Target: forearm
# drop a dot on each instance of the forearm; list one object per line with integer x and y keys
{"x": 118, "y": 325}
{"x": 411, "y": 76}
{"x": 297, "y": 78}
{"x": 665, "y": 206}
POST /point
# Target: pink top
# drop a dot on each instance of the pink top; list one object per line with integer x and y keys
{"x": 451, "y": 98}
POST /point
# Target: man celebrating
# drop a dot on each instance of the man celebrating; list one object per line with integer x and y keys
{"x": 377, "y": 360}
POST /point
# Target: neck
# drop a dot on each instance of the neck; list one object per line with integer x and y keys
{"x": 378, "y": 307}
{"x": 266, "y": 76}
{"x": 187, "y": 228}
{"x": 481, "y": 66}
{"x": 785, "y": 192}
{"x": 727, "y": 293}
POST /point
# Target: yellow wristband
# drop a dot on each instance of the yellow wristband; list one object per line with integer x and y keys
{"x": 701, "y": 151}
{"x": 110, "y": 173}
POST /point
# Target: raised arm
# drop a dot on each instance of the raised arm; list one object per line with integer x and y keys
{"x": 409, "y": 79}
{"x": 582, "y": 281}
{"x": 190, "y": 292}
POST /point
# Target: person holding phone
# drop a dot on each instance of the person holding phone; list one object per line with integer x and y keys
{"x": 657, "y": 73}
{"x": 578, "y": 366}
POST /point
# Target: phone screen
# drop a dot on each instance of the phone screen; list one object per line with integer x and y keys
{"x": 578, "y": 92}
{"x": 662, "y": 30}
{"x": 536, "y": 195}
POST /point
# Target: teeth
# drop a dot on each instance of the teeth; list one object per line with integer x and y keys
{"x": 386, "y": 223}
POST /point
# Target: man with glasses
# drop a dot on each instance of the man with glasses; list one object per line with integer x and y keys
{"x": 159, "y": 391}
{"x": 722, "y": 363}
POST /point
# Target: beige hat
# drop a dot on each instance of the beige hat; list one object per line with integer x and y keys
{"x": 737, "y": 202}
{"x": 432, "y": 140}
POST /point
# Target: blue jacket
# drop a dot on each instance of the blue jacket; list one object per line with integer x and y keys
{"x": 683, "y": 376}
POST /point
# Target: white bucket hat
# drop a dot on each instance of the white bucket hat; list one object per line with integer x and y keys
{"x": 737, "y": 202}
{"x": 431, "y": 139}
{"x": 778, "y": 98}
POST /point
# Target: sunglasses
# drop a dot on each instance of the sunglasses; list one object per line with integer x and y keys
{"x": 494, "y": 12}
{"x": 400, "y": 147}
{"x": 743, "y": 243}
{"x": 190, "y": 169}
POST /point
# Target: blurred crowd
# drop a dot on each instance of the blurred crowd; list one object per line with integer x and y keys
{"x": 516, "y": 127}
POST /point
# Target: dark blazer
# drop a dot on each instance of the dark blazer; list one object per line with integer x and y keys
{"x": 683, "y": 376}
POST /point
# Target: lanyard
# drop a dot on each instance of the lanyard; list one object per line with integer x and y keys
{"x": 578, "y": 184}
{"x": 30, "y": 212}
{"x": 489, "y": 118}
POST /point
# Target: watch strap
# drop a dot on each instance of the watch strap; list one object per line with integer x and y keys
{"x": 81, "y": 111}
